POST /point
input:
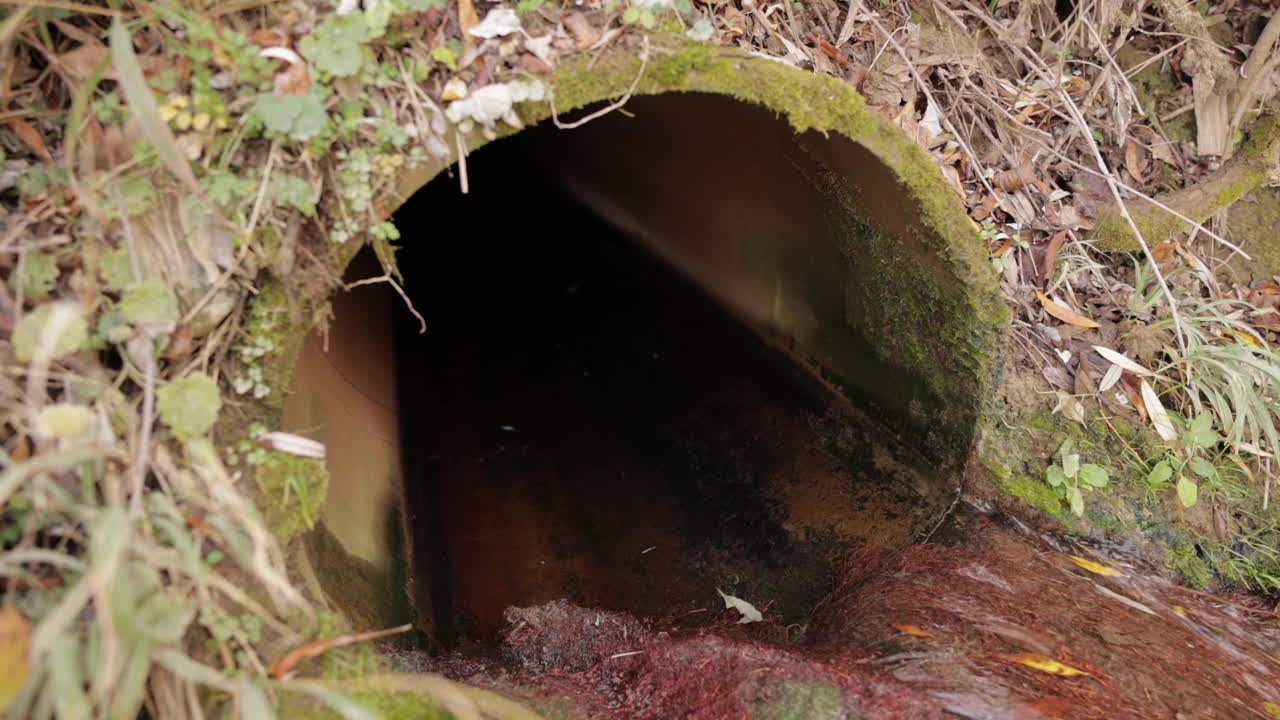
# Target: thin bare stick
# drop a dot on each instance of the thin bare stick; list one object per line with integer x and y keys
{"x": 422, "y": 323}
{"x": 463, "y": 184}
{"x": 262, "y": 189}
{"x": 644, "y": 63}
{"x": 1124, "y": 212}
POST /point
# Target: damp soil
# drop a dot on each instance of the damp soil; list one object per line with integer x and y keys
{"x": 582, "y": 423}
{"x": 990, "y": 620}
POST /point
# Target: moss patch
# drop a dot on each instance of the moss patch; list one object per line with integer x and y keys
{"x": 294, "y": 490}
{"x": 1248, "y": 171}
{"x": 803, "y": 701}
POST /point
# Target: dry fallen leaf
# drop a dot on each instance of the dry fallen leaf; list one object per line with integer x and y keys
{"x": 1133, "y": 164}
{"x": 1014, "y": 178}
{"x": 15, "y": 639}
{"x": 1159, "y": 418}
{"x": 1118, "y": 359}
{"x": 1096, "y": 568}
{"x": 584, "y": 33}
{"x": 912, "y": 630}
{"x": 748, "y": 611}
{"x": 1044, "y": 664}
{"x": 1064, "y": 313}
{"x": 285, "y": 665}
{"x": 467, "y": 17}
{"x": 29, "y": 135}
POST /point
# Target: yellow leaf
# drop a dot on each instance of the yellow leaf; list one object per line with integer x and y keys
{"x": 1179, "y": 611}
{"x": 1271, "y": 709}
{"x": 1046, "y": 664}
{"x": 15, "y": 638}
{"x": 1096, "y": 568}
{"x": 912, "y": 630}
{"x": 1064, "y": 313}
{"x": 1245, "y": 338}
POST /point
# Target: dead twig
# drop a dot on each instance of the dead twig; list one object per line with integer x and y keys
{"x": 422, "y": 323}
{"x": 617, "y": 105}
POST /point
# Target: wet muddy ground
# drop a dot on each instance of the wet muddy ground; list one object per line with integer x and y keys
{"x": 992, "y": 621}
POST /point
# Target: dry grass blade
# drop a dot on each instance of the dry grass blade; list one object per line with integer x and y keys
{"x": 285, "y": 665}
{"x": 10, "y": 26}
{"x": 138, "y": 94}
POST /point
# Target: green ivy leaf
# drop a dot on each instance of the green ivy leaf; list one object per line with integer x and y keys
{"x": 294, "y": 191}
{"x": 39, "y": 275}
{"x": 115, "y": 269}
{"x": 336, "y": 46}
{"x": 445, "y": 55}
{"x": 301, "y": 117}
{"x": 528, "y": 6}
{"x": 1187, "y": 492}
{"x": 150, "y": 304}
{"x": 702, "y": 30}
{"x": 421, "y": 5}
{"x": 1095, "y": 475}
{"x": 631, "y": 15}
{"x": 60, "y": 326}
{"x": 1203, "y": 468}
{"x": 164, "y": 617}
{"x": 1200, "y": 432}
{"x": 1055, "y": 476}
{"x": 64, "y": 420}
{"x": 189, "y": 406}
{"x": 1160, "y": 473}
{"x": 1077, "y": 501}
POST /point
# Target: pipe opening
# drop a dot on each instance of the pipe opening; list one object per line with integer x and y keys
{"x": 623, "y": 395}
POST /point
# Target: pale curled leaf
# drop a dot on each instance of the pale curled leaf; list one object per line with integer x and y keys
{"x": 500, "y": 22}
{"x": 278, "y": 52}
{"x": 748, "y": 611}
{"x": 1110, "y": 378}
{"x": 492, "y": 103}
{"x": 1159, "y": 418}
{"x": 1120, "y": 360}
{"x": 293, "y": 444}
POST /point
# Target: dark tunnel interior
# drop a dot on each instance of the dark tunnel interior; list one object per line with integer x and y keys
{"x": 582, "y": 421}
